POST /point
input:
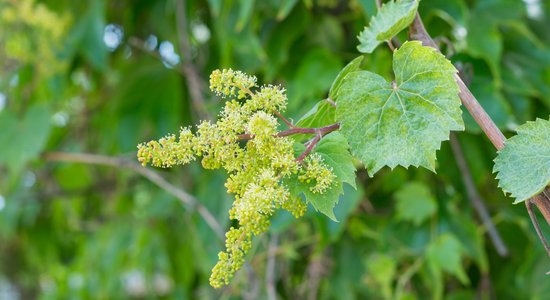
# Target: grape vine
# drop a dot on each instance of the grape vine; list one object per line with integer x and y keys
{"x": 382, "y": 123}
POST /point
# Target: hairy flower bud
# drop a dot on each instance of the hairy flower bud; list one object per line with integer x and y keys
{"x": 316, "y": 171}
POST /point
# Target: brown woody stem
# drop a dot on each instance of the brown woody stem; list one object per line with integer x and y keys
{"x": 298, "y": 130}
{"x": 285, "y": 120}
{"x": 310, "y": 145}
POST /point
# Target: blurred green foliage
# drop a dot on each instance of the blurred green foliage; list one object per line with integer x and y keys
{"x": 102, "y": 76}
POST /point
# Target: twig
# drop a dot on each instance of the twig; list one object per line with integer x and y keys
{"x": 270, "y": 269}
{"x": 310, "y": 145}
{"x": 316, "y": 269}
{"x": 407, "y": 275}
{"x": 484, "y": 289}
{"x": 322, "y": 130}
{"x": 298, "y": 130}
{"x": 285, "y": 120}
{"x": 139, "y": 44}
{"x": 475, "y": 198}
{"x": 533, "y": 217}
{"x": 418, "y": 32}
{"x": 252, "y": 281}
{"x": 390, "y": 45}
{"x": 331, "y": 102}
{"x": 118, "y": 162}
{"x": 192, "y": 76}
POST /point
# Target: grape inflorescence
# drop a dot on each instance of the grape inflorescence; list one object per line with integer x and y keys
{"x": 246, "y": 143}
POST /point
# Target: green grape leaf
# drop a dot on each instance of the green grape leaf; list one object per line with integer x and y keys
{"x": 415, "y": 203}
{"x": 392, "y": 17}
{"x": 322, "y": 114}
{"x": 354, "y": 65}
{"x": 334, "y": 150}
{"x": 445, "y": 254}
{"x": 405, "y": 121}
{"x": 523, "y": 165}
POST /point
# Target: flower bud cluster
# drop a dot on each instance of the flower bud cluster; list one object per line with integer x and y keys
{"x": 255, "y": 169}
{"x": 168, "y": 151}
{"x": 269, "y": 98}
{"x": 317, "y": 172}
{"x": 227, "y": 83}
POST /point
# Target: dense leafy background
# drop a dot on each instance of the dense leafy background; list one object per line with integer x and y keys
{"x": 81, "y": 231}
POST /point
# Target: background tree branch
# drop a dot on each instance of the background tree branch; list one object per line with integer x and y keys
{"x": 118, "y": 162}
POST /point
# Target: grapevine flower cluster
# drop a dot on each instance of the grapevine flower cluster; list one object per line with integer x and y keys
{"x": 246, "y": 143}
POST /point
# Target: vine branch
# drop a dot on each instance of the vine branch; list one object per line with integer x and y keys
{"x": 119, "y": 162}
{"x": 298, "y": 130}
{"x": 270, "y": 269}
{"x": 138, "y": 44}
{"x": 310, "y": 145}
{"x": 418, "y": 32}
{"x": 192, "y": 76}
{"x": 475, "y": 198}
{"x": 319, "y": 133}
{"x": 285, "y": 120}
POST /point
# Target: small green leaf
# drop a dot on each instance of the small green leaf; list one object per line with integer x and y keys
{"x": 392, "y": 17}
{"x": 322, "y": 114}
{"x": 415, "y": 203}
{"x": 523, "y": 165}
{"x": 354, "y": 65}
{"x": 334, "y": 150}
{"x": 403, "y": 122}
{"x": 445, "y": 254}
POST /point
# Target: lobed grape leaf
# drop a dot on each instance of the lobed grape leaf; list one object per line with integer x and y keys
{"x": 523, "y": 165}
{"x": 405, "y": 121}
{"x": 335, "y": 152}
{"x": 392, "y": 17}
